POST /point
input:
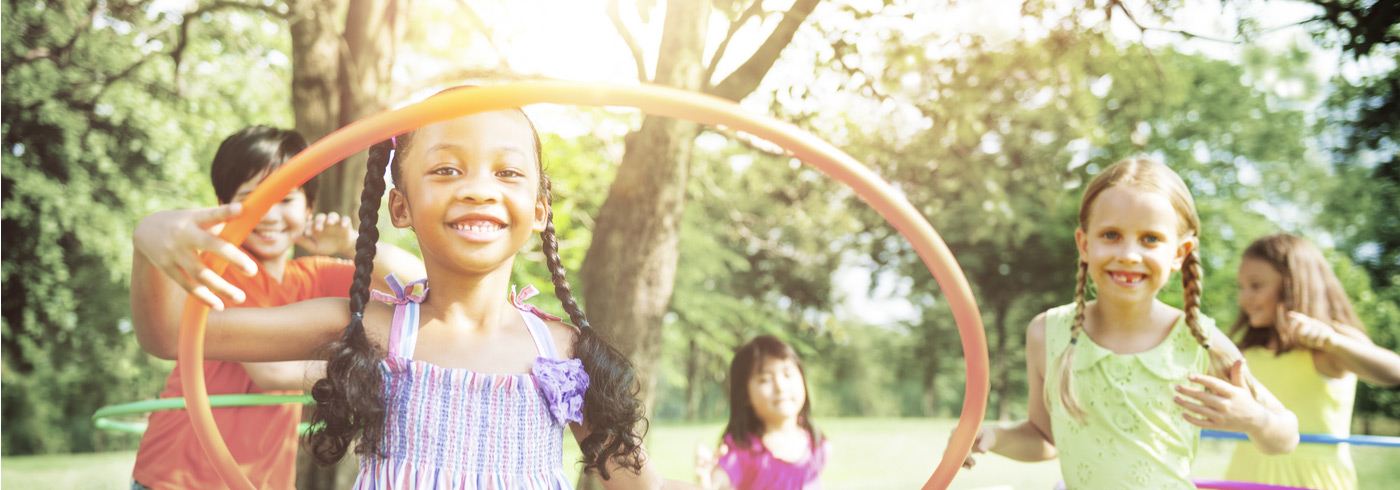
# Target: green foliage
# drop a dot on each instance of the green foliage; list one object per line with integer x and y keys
{"x": 95, "y": 137}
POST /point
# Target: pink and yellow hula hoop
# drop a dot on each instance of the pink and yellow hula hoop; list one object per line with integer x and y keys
{"x": 650, "y": 99}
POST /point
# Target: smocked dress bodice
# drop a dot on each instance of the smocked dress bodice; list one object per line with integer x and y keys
{"x": 450, "y": 428}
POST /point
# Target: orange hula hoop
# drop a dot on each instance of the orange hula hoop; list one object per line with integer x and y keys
{"x": 651, "y": 99}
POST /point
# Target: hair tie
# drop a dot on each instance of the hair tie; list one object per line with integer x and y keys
{"x": 1074, "y": 339}
{"x": 394, "y": 142}
{"x": 358, "y": 315}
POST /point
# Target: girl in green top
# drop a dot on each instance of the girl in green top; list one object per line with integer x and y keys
{"x": 1110, "y": 379}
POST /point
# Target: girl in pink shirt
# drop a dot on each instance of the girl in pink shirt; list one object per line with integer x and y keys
{"x": 770, "y": 442}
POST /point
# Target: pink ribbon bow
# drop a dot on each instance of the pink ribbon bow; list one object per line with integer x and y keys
{"x": 518, "y": 299}
{"x": 414, "y": 291}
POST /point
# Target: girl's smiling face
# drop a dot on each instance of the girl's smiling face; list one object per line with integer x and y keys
{"x": 470, "y": 190}
{"x": 1132, "y": 243}
{"x": 1261, "y": 291}
{"x": 776, "y": 391}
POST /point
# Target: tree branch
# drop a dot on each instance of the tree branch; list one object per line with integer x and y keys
{"x": 746, "y": 78}
{"x": 626, "y": 36}
{"x": 486, "y": 31}
{"x": 1144, "y": 29}
{"x": 755, "y": 8}
{"x": 182, "y": 41}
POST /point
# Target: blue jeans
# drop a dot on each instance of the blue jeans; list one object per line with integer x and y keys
{"x": 135, "y": 485}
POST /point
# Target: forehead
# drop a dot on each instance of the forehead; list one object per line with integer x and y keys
{"x": 253, "y": 182}
{"x": 494, "y": 132}
{"x": 1253, "y": 267}
{"x": 774, "y": 364}
{"x": 1133, "y": 208}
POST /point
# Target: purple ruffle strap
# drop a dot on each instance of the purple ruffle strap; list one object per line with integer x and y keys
{"x": 562, "y": 383}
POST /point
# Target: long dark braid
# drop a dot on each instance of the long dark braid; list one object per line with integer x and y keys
{"x": 611, "y": 409}
{"x": 347, "y": 399}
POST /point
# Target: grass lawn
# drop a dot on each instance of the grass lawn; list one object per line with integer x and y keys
{"x": 867, "y": 454}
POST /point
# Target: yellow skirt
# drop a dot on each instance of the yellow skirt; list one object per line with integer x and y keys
{"x": 1319, "y": 466}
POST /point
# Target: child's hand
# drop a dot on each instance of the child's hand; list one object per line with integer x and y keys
{"x": 986, "y": 438}
{"x": 1311, "y": 332}
{"x": 171, "y": 241}
{"x": 1227, "y": 406}
{"x": 329, "y": 234}
{"x": 706, "y": 460}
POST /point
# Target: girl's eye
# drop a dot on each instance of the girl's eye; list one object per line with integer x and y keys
{"x": 445, "y": 171}
{"x": 509, "y": 174}
{"x": 1111, "y": 235}
{"x": 1151, "y": 239}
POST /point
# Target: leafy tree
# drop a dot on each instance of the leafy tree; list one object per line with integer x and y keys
{"x": 96, "y": 135}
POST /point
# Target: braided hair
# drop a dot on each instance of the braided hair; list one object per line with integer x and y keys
{"x": 348, "y": 399}
{"x": 1149, "y": 176}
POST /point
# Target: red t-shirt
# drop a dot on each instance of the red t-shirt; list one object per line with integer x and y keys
{"x": 263, "y": 440}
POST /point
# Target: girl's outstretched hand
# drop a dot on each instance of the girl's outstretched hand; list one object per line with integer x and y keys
{"x": 1311, "y": 332}
{"x": 1227, "y": 406}
{"x": 986, "y": 438}
{"x": 171, "y": 240}
{"x": 706, "y": 461}
{"x": 329, "y": 234}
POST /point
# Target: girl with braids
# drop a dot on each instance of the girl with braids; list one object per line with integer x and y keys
{"x": 1301, "y": 334}
{"x": 1101, "y": 371}
{"x": 453, "y": 382}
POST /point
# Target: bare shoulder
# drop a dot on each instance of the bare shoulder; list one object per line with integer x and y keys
{"x": 1035, "y": 332}
{"x": 1226, "y": 344}
{"x": 564, "y": 336}
{"x": 379, "y": 323}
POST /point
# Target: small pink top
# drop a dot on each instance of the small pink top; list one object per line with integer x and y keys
{"x": 757, "y": 469}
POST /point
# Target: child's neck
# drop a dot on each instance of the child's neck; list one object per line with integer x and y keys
{"x": 274, "y": 267}
{"x": 472, "y": 301}
{"x": 784, "y": 425}
{"x": 1119, "y": 316}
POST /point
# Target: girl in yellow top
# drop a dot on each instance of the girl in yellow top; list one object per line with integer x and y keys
{"x": 1103, "y": 372}
{"x": 1304, "y": 340}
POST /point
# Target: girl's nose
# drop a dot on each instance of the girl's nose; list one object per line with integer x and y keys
{"x": 477, "y": 188}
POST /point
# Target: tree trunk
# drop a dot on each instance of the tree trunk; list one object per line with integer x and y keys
{"x": 630, "y": 267}
{"x": 931, "y": 389}
{"x": 629, "y": 270}
{"x": 692, "y": 385}
{"x": 999, "y": 364}
{"x": 338, "y": 79}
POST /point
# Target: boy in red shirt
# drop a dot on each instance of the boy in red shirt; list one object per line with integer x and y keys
{"x": 263, "y": 440}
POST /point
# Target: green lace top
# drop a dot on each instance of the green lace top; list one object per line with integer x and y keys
{"x": 1133, "y": 435}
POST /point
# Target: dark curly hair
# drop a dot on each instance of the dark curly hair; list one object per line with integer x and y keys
{"x": 348, "y": 398}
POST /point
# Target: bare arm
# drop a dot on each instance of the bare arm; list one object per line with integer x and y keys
{"x": 1031, "y": 439}
{"x": 1349, "y": 349}
{"x": 165, "y": 265}
{"x": 285, "y": 376}
{"x": 625, "y": 479}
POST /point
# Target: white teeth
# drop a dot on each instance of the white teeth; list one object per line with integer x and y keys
{"x": 479, "y": 227}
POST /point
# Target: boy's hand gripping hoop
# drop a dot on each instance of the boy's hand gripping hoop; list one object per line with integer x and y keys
{"x": 651, "y": 99}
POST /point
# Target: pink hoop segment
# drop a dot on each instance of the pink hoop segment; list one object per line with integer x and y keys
{"x": 1238, "y": 485}
{"x": 655, "y": 100}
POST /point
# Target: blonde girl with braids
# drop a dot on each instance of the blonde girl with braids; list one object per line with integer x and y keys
{"x": 1111, "y": 379}
{"x": 1301, "y": 334}
{"x": 455, "y": 382}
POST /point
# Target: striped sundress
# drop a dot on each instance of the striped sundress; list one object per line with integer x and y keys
{"x": 458, "y": 429}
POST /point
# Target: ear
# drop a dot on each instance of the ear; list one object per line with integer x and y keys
{"x": 541, "y": 215}
{"x": 1187, "y": 246}
{"x": 398, "y": 209}
{"x": 1081, "y": 241}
